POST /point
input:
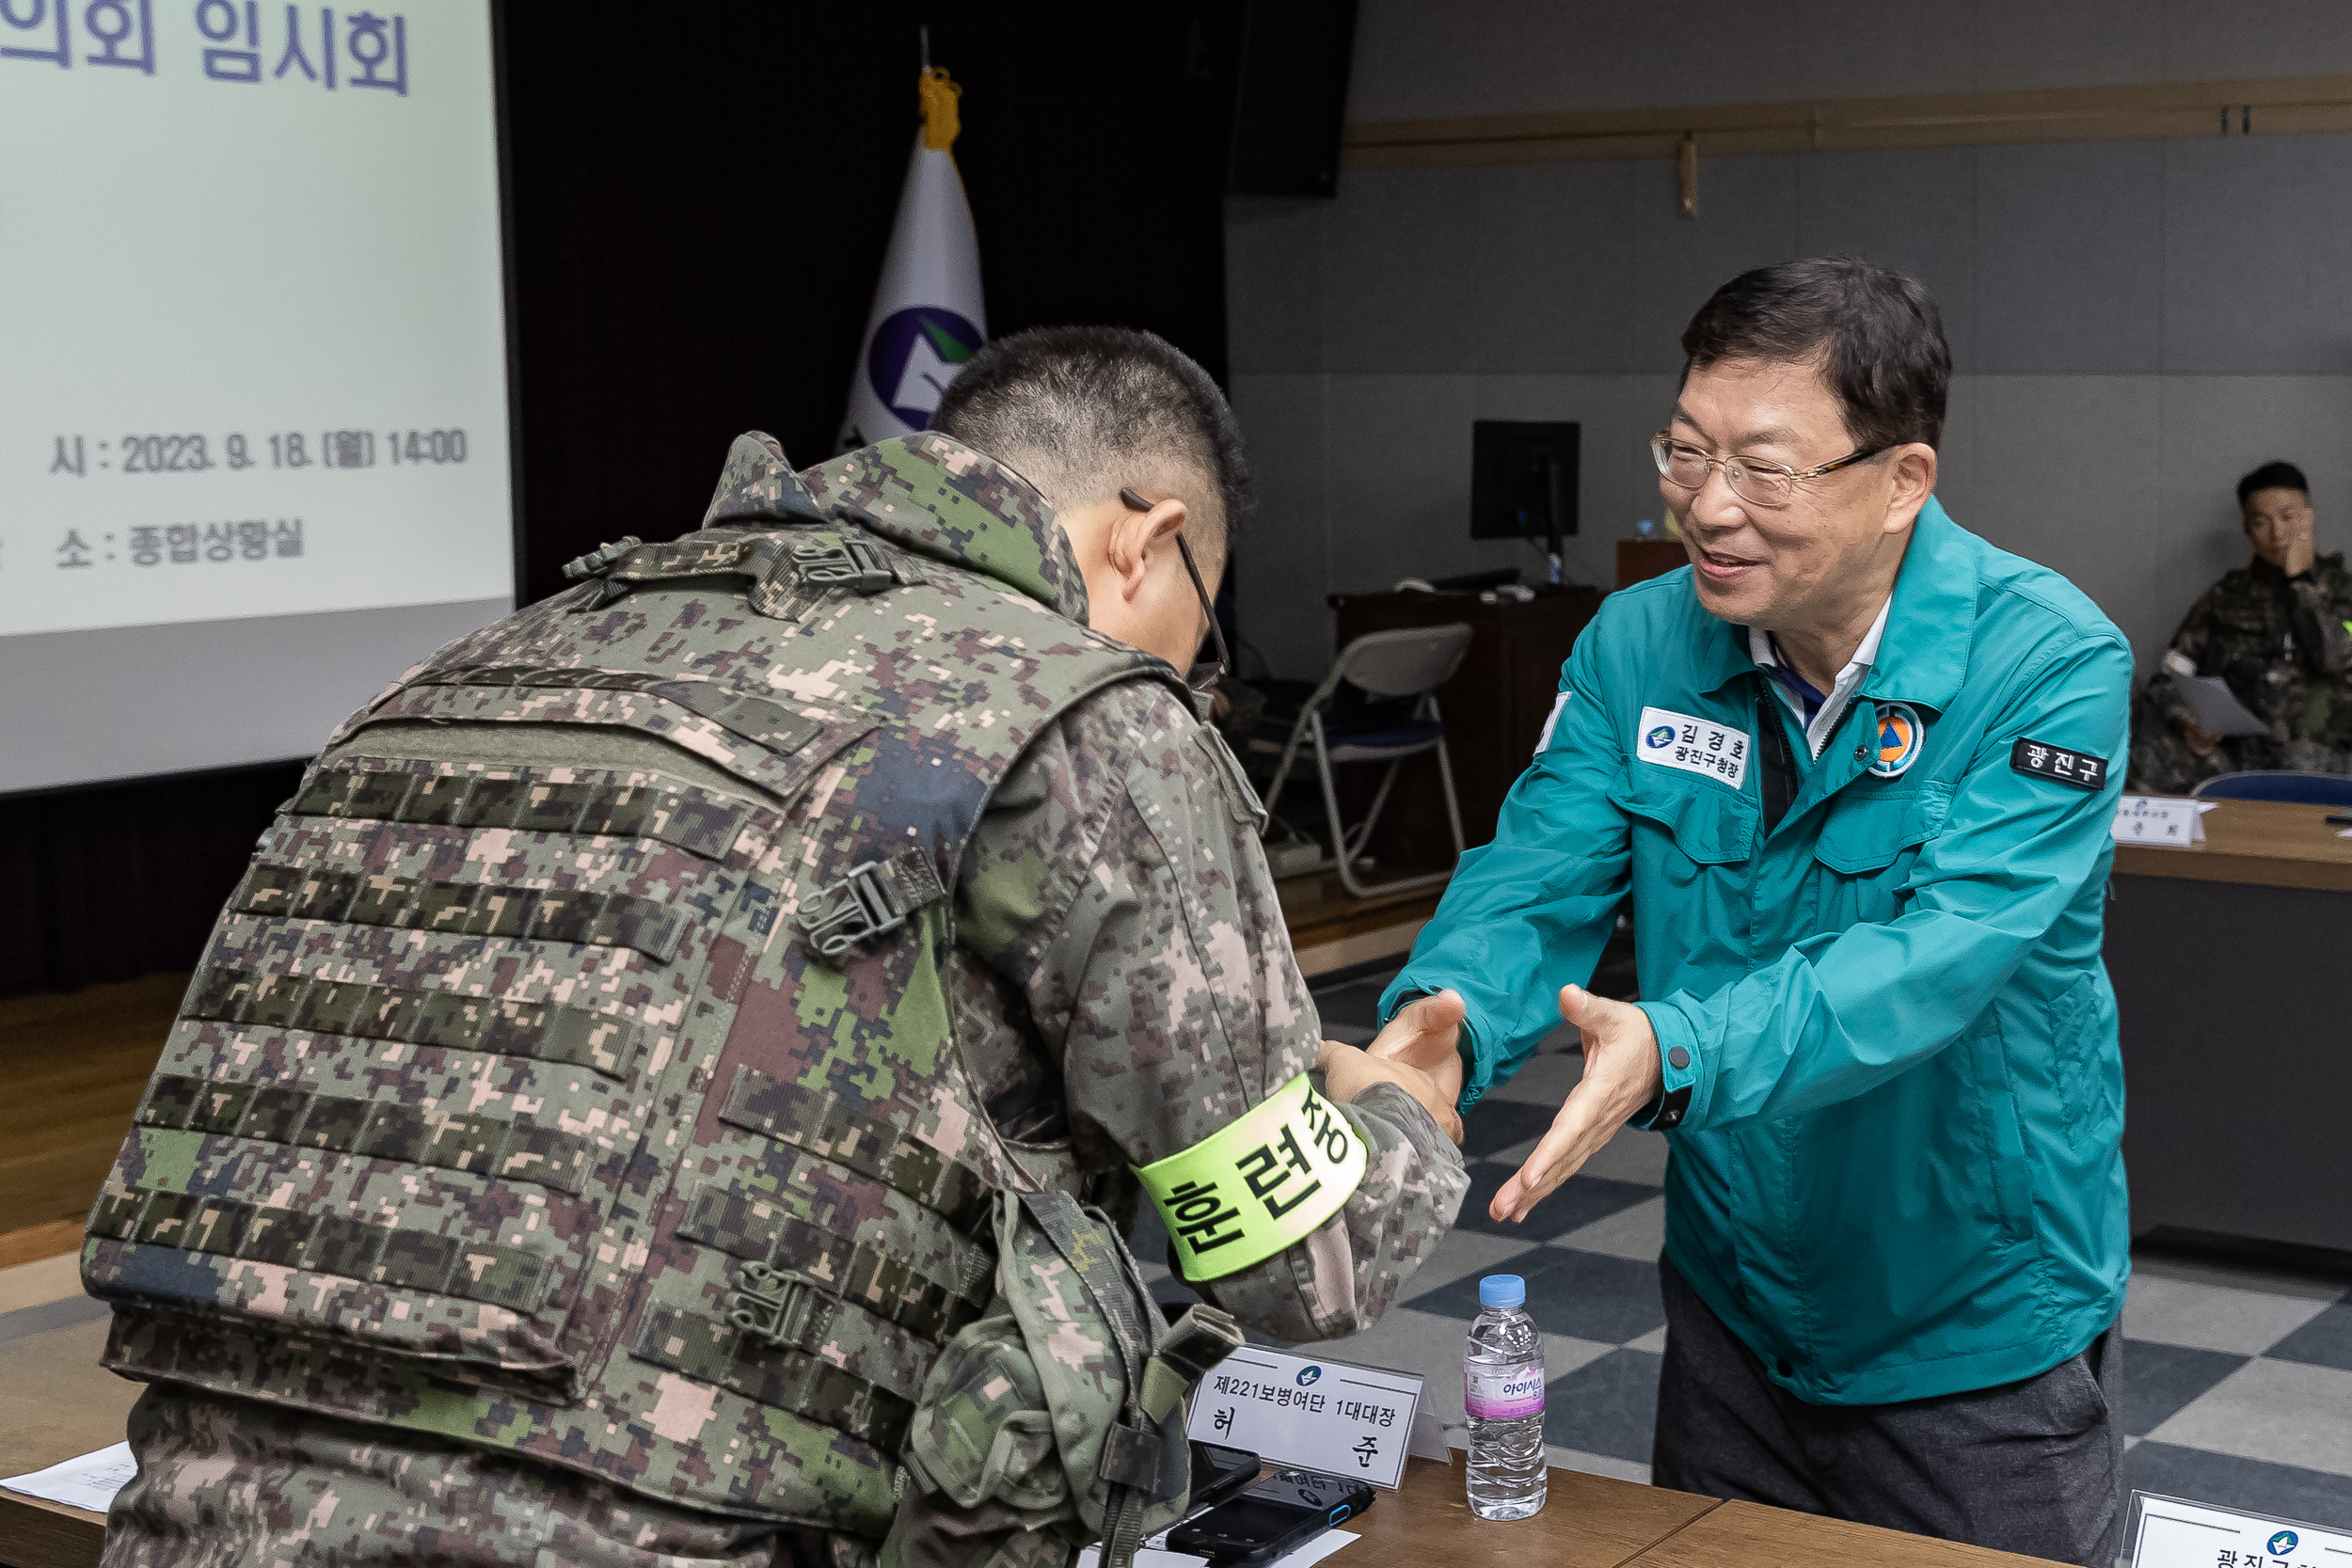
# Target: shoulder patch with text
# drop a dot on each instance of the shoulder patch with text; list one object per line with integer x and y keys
{"x": 1674, "y": 740}
{"x": 2055, "y": 763}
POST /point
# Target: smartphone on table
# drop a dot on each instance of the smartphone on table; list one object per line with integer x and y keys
{"x": 1270, "y": 1520}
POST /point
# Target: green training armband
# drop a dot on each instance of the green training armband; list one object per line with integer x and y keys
{"x": 1258, "y": 1185}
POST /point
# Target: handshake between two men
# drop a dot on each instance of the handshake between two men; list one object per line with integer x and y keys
{"x": 1421, "y": 1052}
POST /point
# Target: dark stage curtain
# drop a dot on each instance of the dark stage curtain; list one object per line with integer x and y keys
{"x": 699, "y": 198}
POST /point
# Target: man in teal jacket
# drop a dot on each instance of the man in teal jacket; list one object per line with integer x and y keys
{"x": 1855, "y": 768}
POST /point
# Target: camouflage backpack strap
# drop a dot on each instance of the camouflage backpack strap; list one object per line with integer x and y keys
{"x": 1143, "y": 1461}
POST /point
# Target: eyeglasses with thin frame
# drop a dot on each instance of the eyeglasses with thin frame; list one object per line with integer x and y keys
{"x": 1200, "y": 677}
{"x": 1753, "y": 480}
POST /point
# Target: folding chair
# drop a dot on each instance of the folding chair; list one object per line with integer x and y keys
{"x": 1408, "y": 663}
{"x": 2302, "y": 789}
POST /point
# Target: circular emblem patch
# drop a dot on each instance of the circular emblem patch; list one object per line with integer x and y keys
{"x": 1899, "y": 734}
{"x": 1658, "y": 736}
{"x": 916, "y": 352}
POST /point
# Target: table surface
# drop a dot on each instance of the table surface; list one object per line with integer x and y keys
{"x": 54, "y": 1404}
{"x": 56, "y": 1401}
{"x": 2264, "y": 842}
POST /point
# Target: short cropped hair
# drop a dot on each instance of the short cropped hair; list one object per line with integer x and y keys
{"x": 1080, "y": 411}
{"x": 1876, "y": 335}
{"x": 2272, "y": 475}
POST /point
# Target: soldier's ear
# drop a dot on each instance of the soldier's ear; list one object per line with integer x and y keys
{"x": 1136, "y": 540}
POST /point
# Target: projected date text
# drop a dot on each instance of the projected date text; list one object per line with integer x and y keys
{"x": 137, "y": 452}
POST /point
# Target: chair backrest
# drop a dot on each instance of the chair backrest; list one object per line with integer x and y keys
{"x": 1406, "y": 662}
{"x": 2302, "y": 789}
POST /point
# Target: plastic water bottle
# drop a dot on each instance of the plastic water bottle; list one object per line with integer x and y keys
{"x": 1503, "y": 1391}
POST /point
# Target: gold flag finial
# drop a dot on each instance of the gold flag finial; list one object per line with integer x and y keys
{"x": 939, "y": 95}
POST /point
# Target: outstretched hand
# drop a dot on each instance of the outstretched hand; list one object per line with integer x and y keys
{"x": 1348, "y": 1071}
{"x": 1426, "y": 1033}
{"x": 1621, "y": 1074}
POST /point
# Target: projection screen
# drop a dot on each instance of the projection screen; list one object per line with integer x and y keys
{"x": 253, "y": 372}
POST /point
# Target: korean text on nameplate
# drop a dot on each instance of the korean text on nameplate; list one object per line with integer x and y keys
{"x": 1317, "y": 1414}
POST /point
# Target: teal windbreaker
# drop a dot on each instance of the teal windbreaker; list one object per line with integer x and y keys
{"x": 1894, "y": 1096}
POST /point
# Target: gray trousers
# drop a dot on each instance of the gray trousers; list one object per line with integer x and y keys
{"x": 2034, "y": 1466}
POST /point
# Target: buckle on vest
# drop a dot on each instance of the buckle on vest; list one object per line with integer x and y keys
{"x": 868, "y": 900}
{"x": 853, "y": 561}
{"x": 601, "y": 559}
{"x": 781, "y": 1313}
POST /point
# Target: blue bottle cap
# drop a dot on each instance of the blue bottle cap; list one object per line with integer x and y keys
{"x": 1502, "y": 1290}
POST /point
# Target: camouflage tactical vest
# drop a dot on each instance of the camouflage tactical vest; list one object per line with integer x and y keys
{"x": 572, "y": 1071}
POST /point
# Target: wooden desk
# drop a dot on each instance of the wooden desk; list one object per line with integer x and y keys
{"x": 1587, "y": 1522}
{"x": 1494, "y": 708}
{"x": 2260, "y": 843}
{"x": 2229, "y": 960}
{"x": 54, "y": 1404}
{"x": 1749, "y": 1535}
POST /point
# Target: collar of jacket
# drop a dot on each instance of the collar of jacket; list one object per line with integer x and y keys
{"x": 929, "y": 493}
{"x": 1923, "y": 657}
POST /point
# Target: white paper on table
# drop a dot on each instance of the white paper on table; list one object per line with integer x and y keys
{"x": 2217, "y": 709}
{"x": 89, "y": 1480}
{"x": 1157, "y": 1556}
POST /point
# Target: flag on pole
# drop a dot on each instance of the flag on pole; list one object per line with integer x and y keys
{"x": 928, "y": 318}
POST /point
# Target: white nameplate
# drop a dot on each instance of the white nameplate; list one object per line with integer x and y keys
{"x": 2170, "y": 1533}
{"x": 1325, "y": 1416}
{"x": 1674, "y": 740}
{"x": 2160, "y": 821}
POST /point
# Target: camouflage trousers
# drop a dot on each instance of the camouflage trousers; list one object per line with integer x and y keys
{"x": 229, "y": 1484}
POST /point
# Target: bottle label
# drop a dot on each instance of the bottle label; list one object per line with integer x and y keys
{"x": 1502, "y": 1393}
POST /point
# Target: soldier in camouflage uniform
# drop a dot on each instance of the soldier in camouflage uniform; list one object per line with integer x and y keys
{"x": 2279, "y": 631}
{"x": 580, "y": 1140}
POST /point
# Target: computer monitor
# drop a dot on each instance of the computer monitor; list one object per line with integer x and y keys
{"x": 1523, "y": 481}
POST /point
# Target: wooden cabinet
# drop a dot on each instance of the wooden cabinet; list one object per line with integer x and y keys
{"x": 1494, "y": 708}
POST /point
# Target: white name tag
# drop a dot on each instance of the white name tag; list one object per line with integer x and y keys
{"x": 1695, "y": 745}
{"x": 2170, "y": 1533}
{"x": 1323, "y": 1416}
{"x": 2152, "y": 819}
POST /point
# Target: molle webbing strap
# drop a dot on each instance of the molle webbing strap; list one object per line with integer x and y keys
{"x": 676, "y": 817}
{"x": 748, "y": 1227}
{"x": 756, "y": 718}
{"x": 817, "y": 1123}
{"x": 714, "y": 1351}
{"x": 464, "y": 909}
{"x": 405, "y": 1258}
{"x": 603, "y": 1043}
{"x": 492, "y": 1148}
{"x": 696, "y": 555}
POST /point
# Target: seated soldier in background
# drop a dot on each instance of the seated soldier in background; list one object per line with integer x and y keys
{"x": 2279, "y": 631}
{"x": 587, "y": 1130}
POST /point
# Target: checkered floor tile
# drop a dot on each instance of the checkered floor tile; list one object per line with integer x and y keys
{"x": 2238, "y": 1382}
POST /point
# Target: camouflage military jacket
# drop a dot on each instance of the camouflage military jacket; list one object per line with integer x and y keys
{"x": 612, "y": 1046}
{"x": 2284, "y": 647}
